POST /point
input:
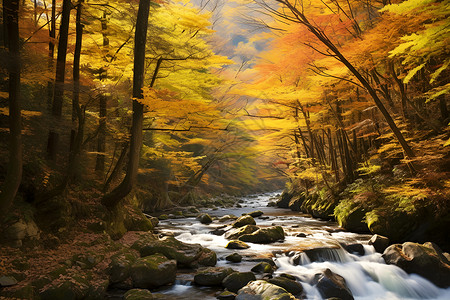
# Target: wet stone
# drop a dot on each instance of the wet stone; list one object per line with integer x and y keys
{"x": 234, "y": 257}
{"x": 235, "y": 244}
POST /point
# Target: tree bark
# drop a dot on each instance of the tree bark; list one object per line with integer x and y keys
{"x": 14, "y": 171}
{"x": 101, "y": 142}
{"x": 53, "y": 137}
{"x": 112, "y": 199}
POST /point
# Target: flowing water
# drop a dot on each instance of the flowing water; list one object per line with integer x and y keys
{"x": 367, "y": 276}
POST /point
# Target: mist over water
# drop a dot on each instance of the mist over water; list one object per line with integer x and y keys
{"x": 367, "y": 276}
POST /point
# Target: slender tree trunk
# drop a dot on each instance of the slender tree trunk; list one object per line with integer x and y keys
{"x": 51, "y": 53}
{"x": 53, "y": 138}
{"x": 77, "y": 111}
{"x": 101, "y": 142}
{"x": 14, "y": 171}
{"x": 112, "y": 199}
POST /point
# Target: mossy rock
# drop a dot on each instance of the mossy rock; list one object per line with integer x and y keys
{"x": 212, "y": 276}
{"x": 235, "y": 233}
{"x": 188, "y": 255}
{"x": 263, "y": 267}
{"x": 138, "y": 294}
{"x": 153, "y": 271}
{"x": 290, "y": 285}
{"x": 119, "y": 268}
{"x": 244, "y": 220}
{"x": 135, "y": 220}
{"x": 264, "y": 235}
{"x": 235, "y": 281}
{"x": 261, "y": 289}
{"x": 236, "y": 244}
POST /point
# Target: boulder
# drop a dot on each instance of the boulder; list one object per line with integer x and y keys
{"x": 256, "y": 213}
{"x": 264, "y": 235}
{"x": 355, "y": 248}
{"x": 263, "y": 267}
{"x": 234, "y": 257}
{"x": 263, "y": 290}
{"x": 119, "y": 268}
{"x": 205, "y": 219}
{"x": 212, "y": 276}
{"x": 284, "y": 200}
{"x": 238, "y": 232}
{"x": 244, "y": 220}
{"x": 331, "y": 285}
{"x": 226, "y": 295}
{"x": 379, "y": 242}
{"x": 227, "y": 218}
{"x": 138, "y": 294}
{"x": 236, "y": 244}
{"x": 153, "y": 271}
{"x": 237, "y": 280}
{"x": 219, "y": 230}
{"x": 188, "y": 255}
{"x": 423, "y": 260}
{"x": 289, "y": 284}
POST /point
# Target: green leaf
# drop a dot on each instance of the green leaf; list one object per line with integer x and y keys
{"x": 412, "y": 72}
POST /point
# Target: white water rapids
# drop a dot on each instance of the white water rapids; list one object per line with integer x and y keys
{"x": 367, "y": 276}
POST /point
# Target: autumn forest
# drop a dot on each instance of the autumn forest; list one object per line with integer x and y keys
{"x": 143, "y": 142}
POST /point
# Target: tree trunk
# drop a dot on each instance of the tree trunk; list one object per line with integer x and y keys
{"x": 53, "y": 137}
{"x": 101, "y": 142}
{"x": 14, "y": 171}
{"x": 112, "y": 199}
{"x": 51, "y": 53}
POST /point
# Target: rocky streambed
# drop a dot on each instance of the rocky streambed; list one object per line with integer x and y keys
{"x": 247, "y": 252}
{"x": 268, "y": 253}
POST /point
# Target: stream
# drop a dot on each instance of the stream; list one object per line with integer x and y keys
{"x": 367, "y": 275}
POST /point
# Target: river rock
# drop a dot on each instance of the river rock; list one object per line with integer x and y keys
{"x": 234, "y": 257}
{"x": 237, "y": 280}
{"x": 264, "y": 235}
{"x": 188, "y": 255}
{"x": 244, "y": 220}
{"x": 205, "y": 219}
{"x": 263, "y": 267}
{"x": 235, "y": 233}
{"x": 236, "y": 244}
{"x": 331, "y": 285}
{"x": 119, "y": 268}
{"x": 379, "y": 242}
{"x": 212, "y": 276}
{"x": 256, "y": 213}
{"x": 354, "y": 248}
{"x": 153, "y": 271}
{"x": 263, "y": 290}
{"x": 227, "y": 218}
{"x": 226, "y": 295}
{"x": 138, "y": 294}
{"x": 420, "y": 259}
{"x": 219, "y": 230}
{"x": 288, "y": 284}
